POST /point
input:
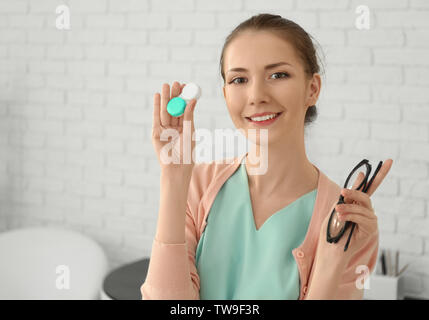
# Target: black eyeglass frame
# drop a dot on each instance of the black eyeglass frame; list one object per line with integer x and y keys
{"x": 365, "y": 186}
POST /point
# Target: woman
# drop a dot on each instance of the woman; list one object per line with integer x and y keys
{"x": 259, "y": 236}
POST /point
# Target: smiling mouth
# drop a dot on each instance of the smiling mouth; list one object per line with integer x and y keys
{"x": 264, "y": 121}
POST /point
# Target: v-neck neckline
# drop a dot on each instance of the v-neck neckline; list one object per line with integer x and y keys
{"x": 243, "y": 167}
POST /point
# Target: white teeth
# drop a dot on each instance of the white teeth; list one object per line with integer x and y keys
{"x": 263, "y": 118}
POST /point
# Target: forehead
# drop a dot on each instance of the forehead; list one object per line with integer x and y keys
{"x": 256, "y": 49}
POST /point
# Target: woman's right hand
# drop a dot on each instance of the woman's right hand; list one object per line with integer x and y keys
{"x": 163, "y": 120}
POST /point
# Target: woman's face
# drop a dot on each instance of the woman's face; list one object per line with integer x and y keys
{"x": 284, "y": 89}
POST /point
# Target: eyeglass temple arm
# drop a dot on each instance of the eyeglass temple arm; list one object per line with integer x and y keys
{"x": 373, "y": 176}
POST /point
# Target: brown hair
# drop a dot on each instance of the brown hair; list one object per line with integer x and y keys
{"x": 291, "y": 32}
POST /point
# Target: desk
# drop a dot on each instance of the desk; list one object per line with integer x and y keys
{"x": 124, "y": 282}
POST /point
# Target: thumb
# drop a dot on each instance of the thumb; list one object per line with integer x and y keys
{"x": 189, "y": 110}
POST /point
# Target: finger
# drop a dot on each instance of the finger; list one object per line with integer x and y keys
{"x": 189, "y": 112}
{"x": 182, "y": 116}
{"x": 364, "y": 224}
{"x": 354, "y": 208}
{"x": 156, "y": 117}
{"x": 356, "y": 196}
{"x": 382, "y": 173}
{"x": 354, "y": 217}
{"x": 180, "y": 122}
{"x": 165, "y": 97}
{"x": 175, "y": 91}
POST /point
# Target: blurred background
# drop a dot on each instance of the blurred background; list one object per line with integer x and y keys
{"x": 76, "y": 110}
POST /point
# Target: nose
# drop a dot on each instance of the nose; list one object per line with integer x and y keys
{"x": 257, "y": 92}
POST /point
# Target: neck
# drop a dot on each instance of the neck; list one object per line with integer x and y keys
{"x": 287, "y": 169}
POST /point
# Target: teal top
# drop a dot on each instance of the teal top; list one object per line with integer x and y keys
{"x": 237, "y": 262}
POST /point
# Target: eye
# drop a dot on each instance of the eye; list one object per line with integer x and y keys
{"x": 284, "y": 73}
{"x": 233, "y": 81}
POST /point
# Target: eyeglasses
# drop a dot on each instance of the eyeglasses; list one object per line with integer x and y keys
{"x": 336, "y": 228}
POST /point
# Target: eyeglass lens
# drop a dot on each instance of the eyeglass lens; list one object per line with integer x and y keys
{"x": 336, "y": 225}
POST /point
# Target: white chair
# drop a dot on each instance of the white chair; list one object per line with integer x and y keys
{"x": 50, "y": 263}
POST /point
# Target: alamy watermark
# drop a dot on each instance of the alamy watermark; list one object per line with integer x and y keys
{"x": 362, "y": 281}
{"x": 259, "y": 137}
{"x": 62, "y": 281}
{"x": 362, "y": 21}
{"x": 62, "y": 21}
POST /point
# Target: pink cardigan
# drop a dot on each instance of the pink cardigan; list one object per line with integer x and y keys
{"x": 172, "y": 274}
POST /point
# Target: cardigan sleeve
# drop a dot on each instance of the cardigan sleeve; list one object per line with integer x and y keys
{"x": 366, "y": 256}
{"x": 172, "y": 273}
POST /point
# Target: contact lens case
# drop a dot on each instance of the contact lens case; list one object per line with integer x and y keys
{"x": 176, "y": 106}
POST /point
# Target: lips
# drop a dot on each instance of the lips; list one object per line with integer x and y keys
{"x": 263, "y": 114}
{"x": 265, "y": 122}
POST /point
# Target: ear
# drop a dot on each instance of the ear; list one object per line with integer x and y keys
{"x": 314, "y": 90}
{"x": 223, "y": 89}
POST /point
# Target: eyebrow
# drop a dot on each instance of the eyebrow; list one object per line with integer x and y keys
{"x": 269, "y": 66}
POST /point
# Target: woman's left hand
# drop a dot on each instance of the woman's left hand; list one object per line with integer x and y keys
{"x": 358, "y": 209}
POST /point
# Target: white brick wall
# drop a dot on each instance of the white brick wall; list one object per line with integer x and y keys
{"x": 75, "y": 148}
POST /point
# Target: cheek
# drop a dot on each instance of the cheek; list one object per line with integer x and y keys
{"x": 292, "y": 93}
{"x": 235, "y": 114}
{"x": 234, "y": 97}
{"x": 293, "y": 102}
{"x": 234, "y": 106}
